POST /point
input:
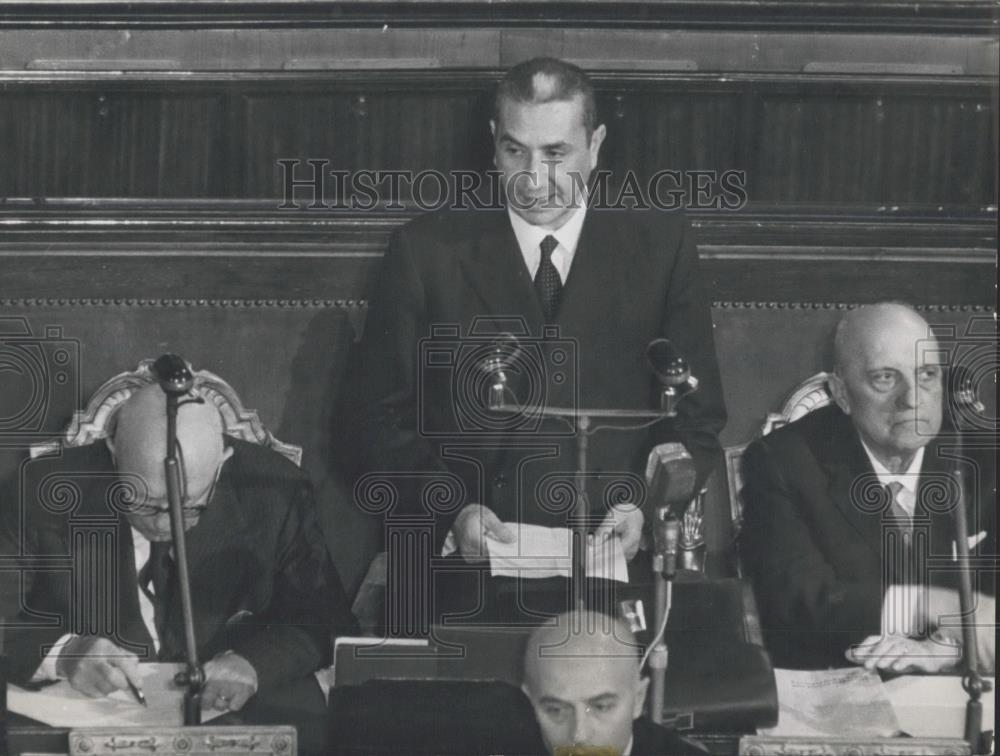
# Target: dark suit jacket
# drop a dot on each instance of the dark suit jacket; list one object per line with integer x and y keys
{"x": 814, "y": 534}
{"x": 262, "y": 583}
{"x": 461, "y": 276}
{"x": 650, "y": 739}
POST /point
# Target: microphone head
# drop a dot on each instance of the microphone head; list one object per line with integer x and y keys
{"x": 502, "y": 353}
{"x": 670, "y": 368}
{"x": 962, "y": 388}
{"x": 173, "y": 374}
{"x": 671, "y": 477}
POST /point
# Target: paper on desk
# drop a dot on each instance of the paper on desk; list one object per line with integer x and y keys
{"x": 59, "y": 705}
{"x": 933, "y": 706}
{"x": 540, "y": 552}
{"x": 832, "y": 702}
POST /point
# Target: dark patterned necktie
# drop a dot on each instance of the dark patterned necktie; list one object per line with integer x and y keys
{"x": 156, "y": 575}
{"x": 548, "y": 285}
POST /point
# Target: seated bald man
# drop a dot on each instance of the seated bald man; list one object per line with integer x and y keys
{"x": 583, "y": 679}
{"x": 849, "y": 508}
{"x": 265, "y": 594}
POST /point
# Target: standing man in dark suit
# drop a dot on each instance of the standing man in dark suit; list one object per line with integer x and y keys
{"x": 583, "y": 289}
{"x": 266, "y": 597}
{"x": 849, "y": 525}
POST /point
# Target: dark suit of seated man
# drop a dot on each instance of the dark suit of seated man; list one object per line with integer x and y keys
{"x": 266, "y": 596}
{"x": 849, "y": 508}
{"x": 583, "y": 679}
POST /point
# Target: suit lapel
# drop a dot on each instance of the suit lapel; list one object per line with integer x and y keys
{"x": 597, "y": 273}
{"x": 496, "y": 271}
{"x": 213, "y": 581}
{"x": 852, "y": 479}
{"x": 931, "y": 506}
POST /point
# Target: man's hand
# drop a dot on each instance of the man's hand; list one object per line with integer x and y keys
{"x": 898, "y": 653}
{"x": 944, "y": 610}
{"x": 96, "y": 667}
{"x": 471, "y": 528}
{"x": 625, "y": 521}
{"x": 230, "y": 680}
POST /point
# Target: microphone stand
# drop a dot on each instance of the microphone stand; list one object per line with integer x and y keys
{"x": 972, "y": 683}
{"x": 580, "y": 519}
{"x": 176, "y": 380}
{"x": 676, "y": 383}
{"x": 963, "y": 396}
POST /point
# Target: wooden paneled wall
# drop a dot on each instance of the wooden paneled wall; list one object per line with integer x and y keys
{"x": 141, "y": 194}
{"x": 844, "y": 141}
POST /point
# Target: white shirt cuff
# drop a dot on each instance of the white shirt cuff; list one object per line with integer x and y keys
{"x": 47, "y": 669}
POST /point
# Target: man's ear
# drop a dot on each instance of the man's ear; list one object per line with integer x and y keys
{"x": 839, "y": 391}
{"x": 642, "y": 687}
{"x": 596, "y": 140}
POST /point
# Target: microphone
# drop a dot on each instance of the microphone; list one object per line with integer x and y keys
{"x": 496, "y": 364}
{"x": 672, "y": 372}
{"x": 173, "y": 374}
{"x": 962, "y": 389}
{"x": 666, "y": 537}
{"x": 671, "y": 477}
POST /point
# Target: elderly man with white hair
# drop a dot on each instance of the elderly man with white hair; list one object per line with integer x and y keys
{"x": 266, "y": 596}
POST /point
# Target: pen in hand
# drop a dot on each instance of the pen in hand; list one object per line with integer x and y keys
{"x": 137, "y": 692}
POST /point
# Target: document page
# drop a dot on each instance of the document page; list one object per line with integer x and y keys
{"x": 933, "y": 706}
{"x": 540, "y": 552}
{"x": 833, "y": 702}
{"x": 59, "y": 705}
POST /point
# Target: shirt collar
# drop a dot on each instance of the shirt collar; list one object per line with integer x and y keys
{"x": 529, "y": 237}
{"x": 907, "y": 479}
{"x": 628, "y": 748}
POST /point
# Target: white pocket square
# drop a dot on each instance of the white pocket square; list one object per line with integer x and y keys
{"x": 974, "y": 540}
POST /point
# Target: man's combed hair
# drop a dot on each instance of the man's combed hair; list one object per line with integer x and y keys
{"x": 567, "y": 81}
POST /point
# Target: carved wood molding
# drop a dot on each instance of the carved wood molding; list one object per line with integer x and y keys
{"x": 353, "y": 306}
{"x": 840, "y": 15}
{"x": 731, "y": 305}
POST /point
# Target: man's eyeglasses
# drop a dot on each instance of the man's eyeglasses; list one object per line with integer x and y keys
{"x": 190, "y": 504}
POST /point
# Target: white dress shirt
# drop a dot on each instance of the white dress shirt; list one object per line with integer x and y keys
{"x": 529, "y": 239}
{"x": 908, "y": 480}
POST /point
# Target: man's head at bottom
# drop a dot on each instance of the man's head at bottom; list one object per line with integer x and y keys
{"x": 583, "y": 679}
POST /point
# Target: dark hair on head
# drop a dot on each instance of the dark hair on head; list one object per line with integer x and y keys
{"x": 568, "y": 81}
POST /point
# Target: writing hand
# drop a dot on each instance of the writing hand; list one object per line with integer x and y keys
{"x": 96, "y": 667}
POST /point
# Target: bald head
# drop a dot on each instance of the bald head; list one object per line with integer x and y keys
{"x": 139, "y": 447}
{"x": 888, "y": 380}
{"x": 871, "y": 324}
{"x": 582, "y": 676}
{"x": 581, "y": 637}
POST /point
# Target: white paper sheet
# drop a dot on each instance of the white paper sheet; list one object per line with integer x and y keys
{"x": 540, "y": 552}
{"x": 933, "y": 706}
{"x": 833, "y": 702}
{"x": 59, "y": 705}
